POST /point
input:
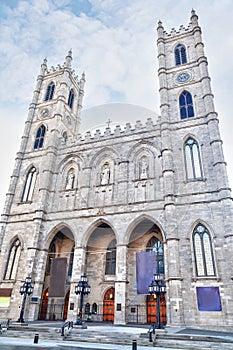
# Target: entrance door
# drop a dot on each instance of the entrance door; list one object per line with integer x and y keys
{"x": 108, "y": 307}
{"x": 44, "y": 305}
{"x": 66, "y": 305}
{"x": 152, "y": 311}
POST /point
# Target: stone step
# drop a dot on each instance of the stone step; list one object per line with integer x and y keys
{"x": 173, "y": 341}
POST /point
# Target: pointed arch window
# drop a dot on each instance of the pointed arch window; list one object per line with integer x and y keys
{"x": 192, "y": 159}
{"x": 39, "y": 140}
{"x": 110, "y": 267}
{"x": 71, "y": 98}
{"x": 49, "y": 92}
{"x": 203, "y": 252}
{"x": 94, "y": 308}
{"x": 186, "y": 105}
{"x": 12, "y": 260}
{"x": 29, "y": 185}
{"x": 155, "y": 245}
{"x": 180, "y": 55}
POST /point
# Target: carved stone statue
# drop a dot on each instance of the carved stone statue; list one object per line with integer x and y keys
{"x": 70, "y": 181}
{"x": 143, "y": 168}
{"x": 105, "y": 174}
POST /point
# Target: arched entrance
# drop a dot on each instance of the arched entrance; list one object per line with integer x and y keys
{"x": 152, "y": 309}
{"x": 44, "y": 305}
{"x": 145, "y": 258}
{"x": 58, "y": 272}
{"x": 108, "y": 305}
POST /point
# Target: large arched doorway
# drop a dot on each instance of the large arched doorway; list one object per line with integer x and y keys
{"x": 58, "y": 273}
{"x": 108, "y": 305}
{"x": 101, "y": 270}
{"x": 145, "y": 258}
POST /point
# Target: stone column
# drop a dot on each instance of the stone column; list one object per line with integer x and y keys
{"x": 120, "y": 285}
{"x": 78, "y": 270}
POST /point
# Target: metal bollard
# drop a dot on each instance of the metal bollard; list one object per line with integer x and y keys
{"x": 36, "y": 338}
{"x": 150, "y": 337}
{"x": 134, "y": 345}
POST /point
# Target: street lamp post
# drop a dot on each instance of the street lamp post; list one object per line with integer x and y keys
{"x": 25, "y": 289}
{"x": 157, "y": 287}
{"x": 82, "y": 288}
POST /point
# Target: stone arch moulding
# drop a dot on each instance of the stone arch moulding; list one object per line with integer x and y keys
{"x": 204, "y": 223}
{"x": 76, "y": 159}
{"x": 14, "y": 238}
{"x": 29, "y": 167}
{"x": 52, "y": 231}
{"x": 92, "y": 227}
{"x": 103, "y": 153}
{"x": 143, "y": 146}
{"x": 137, "y": 220}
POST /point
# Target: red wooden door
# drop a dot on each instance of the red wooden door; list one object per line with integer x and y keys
{"x": 44, "y": 305}
{"x": 108, "y": 305}
{"x": 66, "y": 305}
{"x": 152, "y": 311}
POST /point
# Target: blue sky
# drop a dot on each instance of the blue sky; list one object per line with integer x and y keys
{"x": 114, "y": 42}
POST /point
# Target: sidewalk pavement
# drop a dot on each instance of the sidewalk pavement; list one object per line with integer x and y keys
{"x": 27, "y": 344}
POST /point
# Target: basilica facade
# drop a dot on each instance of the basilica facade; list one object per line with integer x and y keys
{"x": 95, "y": 204}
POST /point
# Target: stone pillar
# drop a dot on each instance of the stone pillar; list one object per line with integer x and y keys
{"x": 120, "y": 285}
{"x": 78, "y": 270}
{"x": 174, "y": 284}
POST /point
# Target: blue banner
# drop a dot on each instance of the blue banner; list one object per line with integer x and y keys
{"x": 208, "y": 299}
{"x": 145, "y": 269}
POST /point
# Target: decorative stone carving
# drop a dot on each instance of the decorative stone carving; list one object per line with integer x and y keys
{"x": 105, "y": 174}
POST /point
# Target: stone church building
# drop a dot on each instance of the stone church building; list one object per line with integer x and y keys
{"x": 96, "y": 202}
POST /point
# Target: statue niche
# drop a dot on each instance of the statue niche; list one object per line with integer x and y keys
{"x": 143, "y": 168}
{"x": 70, "y": 180}
{"x": 105, "y": 174}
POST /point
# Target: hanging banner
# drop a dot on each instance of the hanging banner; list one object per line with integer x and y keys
{"x": 208, "y": 299}
{"x": 58, "y": 277}
{"x": 145, "y": 269}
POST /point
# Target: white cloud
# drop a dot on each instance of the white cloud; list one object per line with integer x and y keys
{"x": 114, "y": 42}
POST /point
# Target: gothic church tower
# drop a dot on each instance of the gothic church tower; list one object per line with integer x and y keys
{"x": 196, "y": 190}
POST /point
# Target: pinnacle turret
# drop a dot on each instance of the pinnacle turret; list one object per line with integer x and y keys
{"x": 44, "y": 66}
{"x": 68, "y": 59}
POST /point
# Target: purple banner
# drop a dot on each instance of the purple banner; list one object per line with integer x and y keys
{"x": 145, "y": 269}
{"x": 208, "y": 299}
{"x": 57, "y": 277}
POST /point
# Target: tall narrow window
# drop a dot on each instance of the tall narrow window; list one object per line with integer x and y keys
{"x": 155, "y": 245}
{"x": 180, "y": 55}
{"x": 49, "y": 92}
{"x": 192, "y": 159}
{"x": 39, "y": 140}
{"x": 110, "y": 267}
{"x": 186, "y": 105}
{"x": 29, "y": 185}
{"x": 203, "y": 252}
{"x": 71, "y": 98}
{"x": 12, "y": 260}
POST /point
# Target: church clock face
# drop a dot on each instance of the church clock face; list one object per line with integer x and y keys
{"x": 183, "y": 77}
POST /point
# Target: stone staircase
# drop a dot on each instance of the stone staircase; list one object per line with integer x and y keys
{"x": 192, "y": 342}
{"x": 78, "y": 334}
